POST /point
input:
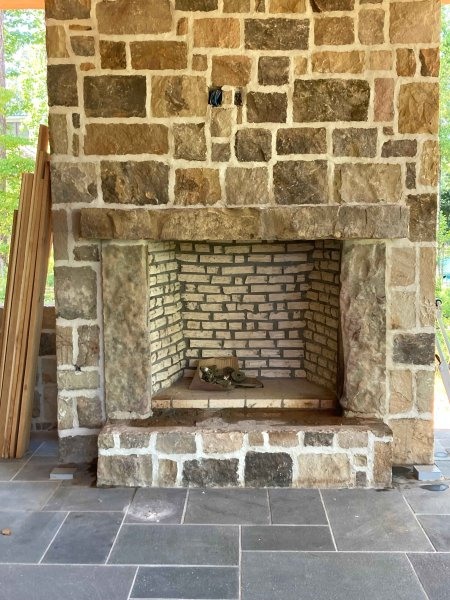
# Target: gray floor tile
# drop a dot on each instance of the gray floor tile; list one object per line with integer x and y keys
{"x": 44, "y": 582}
{"x": 78, "y": 498}
{"x": 18, "y": 495}
{"x": 437, "y": 528}
{"x": 37, "y": 469}
{"x": 47, "y": 448}
{"x": 297, "y": 507}
{"x": 444, "y": 466}
{"x": 426, "y": 502}
{"x": 433, "y": 571}
{"x": 85, "y": 538}
{"x": 31, "y": 533}
{"x": 328, "y": 576}
{"x": 187, "y": 582}
{"x": 232, "y": 506}
{"x": 285, "y": 537}
{"x": 373, "y": 521}
{"x": 176, "y": 545}
{"x": 8, "y": 468}
{"x": 157, "y": 505}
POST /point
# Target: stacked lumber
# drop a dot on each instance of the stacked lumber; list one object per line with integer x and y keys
{"x": 24, "y": 302}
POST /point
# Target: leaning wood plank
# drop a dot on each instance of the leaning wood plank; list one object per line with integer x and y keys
{"x": 15, "y": 311}
{"x": 28, "y": 275}
{"x": 36, "y": 313}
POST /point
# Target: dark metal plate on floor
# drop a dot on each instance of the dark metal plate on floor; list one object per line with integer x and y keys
{"x": 435, "y": 487}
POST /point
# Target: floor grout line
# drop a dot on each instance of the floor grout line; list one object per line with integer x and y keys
{"x": 53, "y": 539}
{"x": 418, "y": 522}
{"x": 133, "y": 582}
{"x": 121, "y": 525}
{"x": 183, "y": 516}
{"x": 417, "y": 577}
{"x": 328, "y": 520}
{"x": 270, "y": 508}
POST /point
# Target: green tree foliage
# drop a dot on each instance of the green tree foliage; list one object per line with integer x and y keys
{"x": 25, "y": 94}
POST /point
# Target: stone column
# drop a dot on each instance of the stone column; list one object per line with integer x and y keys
{"x": 127, "y": 343}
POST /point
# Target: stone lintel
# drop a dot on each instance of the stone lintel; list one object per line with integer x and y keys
{"x": 374, "y": 221}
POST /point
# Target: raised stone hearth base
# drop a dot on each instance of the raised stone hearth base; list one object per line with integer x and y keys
{"x": 245, "y": 448}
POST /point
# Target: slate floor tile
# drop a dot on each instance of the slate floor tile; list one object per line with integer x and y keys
{"x": 373, "y": 521}
{"x": 297, "y": 507}
{"x": 433, "y": 571}
{"x": 209, "y": 583}
{"x": 176, "y": 545}
{"x": 437, "y": 528}
{"x": 157, "y": 505}
{"x": 425, "y": 502}
{"x": 39, "y": 582}
{"x": 78, "y": 498}
{"x": 31, "y": 533}
{"x": 9, "y": 468}
{"x": 285, "y": 537}
{"x": 228, "y": 506}
{"x": 19, "y": 495}
{"x": 47, "y": 448}
{"x": 328, "y": 576}
{"x": 37, "y": 469}
{"x": 85, "y": 538}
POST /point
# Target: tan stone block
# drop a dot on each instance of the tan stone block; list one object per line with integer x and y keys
{"x": 360, "y": 460}
{"x": 323, "y": 470}
{"x": 380, "y": 60}
{"x": 413, "y": 441}
{"x": 217, "y": 33}
{"x": 158, "y": 55}
{"x": 287, "y": 6}
{"x": 422, "y": 217}
{"x": 429, "y": 164}
{"x": 287, "y": 439}
{"x": 199, "y": 62}
{"x": 338, "y": 62}
{"x": 60, "y": 238}
{"x": 414, "y": 22}
{"x": 360, "y": 183}
{"x": 403, "y": 310}
{"x": 429, "y": 62}
{"x": 418, "y": 108}
{"x": 121, "y": 138}
{"x": 247, "y": 186}
{"x": 176, "y": 442}
{"x": 134, "y": 16}
{"x": 401, "y": 391}
{"x": 182, "y": 26}
{"x": 56, "y": 42}
{"x": 300, "y": 65}
{"x": 371, "y": 27}
{"x": 64, "y": 345}
{"x": 220, "y": 443}
{"x": 255, "y": 438}
{"x": 129, "y": 471}
{"x": 233, "y": 70}
{"x": 403, "y": 262}
{"x": 353, "y": 439}
{"x": 179, "y": 96}
{"x": 167, "y": 473}
{"x": 221, "y": 122}
{"x": 238, "y": 6}
{"x": 384, "y": 99}
{"x": 382, "y": 464}
{"x": 333, "y": 31}
{"x": 89, "y": 412}
{"x": 66, "y": 412}
{"x": 406, "y": 62}
{"x": 58, "y": 133}
{"x": 425, "y": 391}
{"x": 427, "y": 270}
{"x": 190, "y": 141}
{"x": 197, "y": 186}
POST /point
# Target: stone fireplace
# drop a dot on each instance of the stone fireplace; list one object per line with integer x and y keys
{"x": 254, "y": 179}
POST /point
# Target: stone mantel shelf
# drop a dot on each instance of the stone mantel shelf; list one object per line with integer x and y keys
{"x": 307, "y": 222}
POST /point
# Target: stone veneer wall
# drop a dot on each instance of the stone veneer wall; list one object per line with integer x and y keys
{"x": 340, "y": 106}
{"x": 268, "y": 304}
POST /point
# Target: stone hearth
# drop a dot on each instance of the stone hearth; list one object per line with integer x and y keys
{"x": 326, "y": 134}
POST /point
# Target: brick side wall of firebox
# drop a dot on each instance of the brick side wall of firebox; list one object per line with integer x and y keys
{"x": 340, "y": 106}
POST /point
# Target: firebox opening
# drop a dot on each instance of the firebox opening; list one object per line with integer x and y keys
{"x": 273, "y": 305}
